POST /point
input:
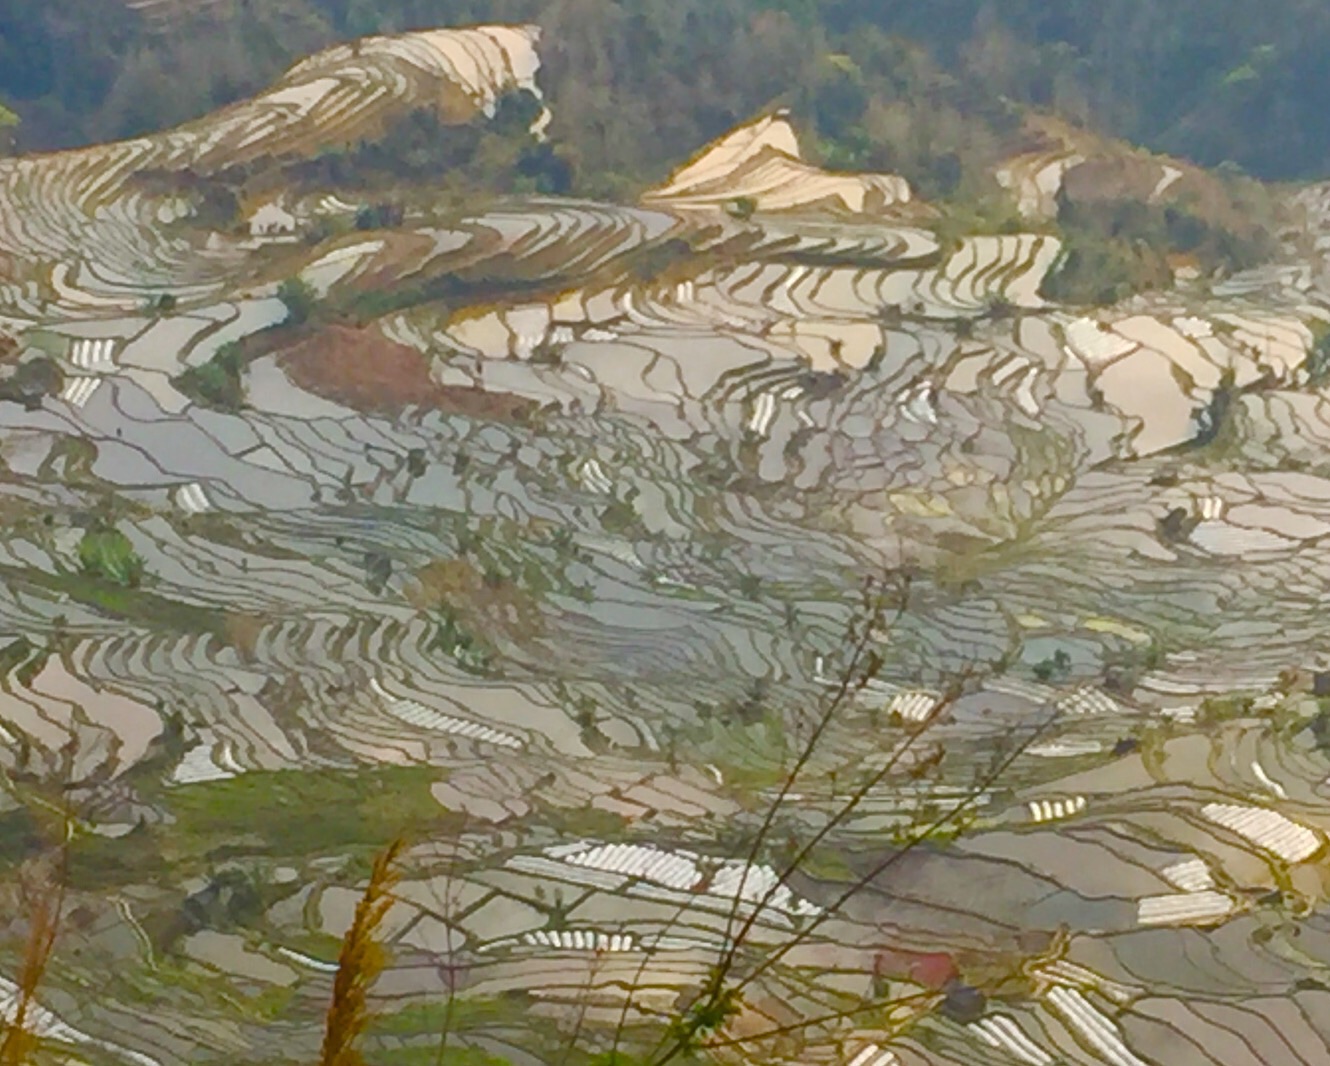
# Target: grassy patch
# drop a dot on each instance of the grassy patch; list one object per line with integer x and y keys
{"x": 753, "y": 756}
{"x": 98, "y": 863}
{"x": 992, "y": 214}
{"x": 194, "y": 984}
{"x": 593, "y": 823}
{"x": 20, "y": 836}
{"x": 428, "y": 1055}
{"x": 461, "y": 1015}
{"x": 287, "y": 814}
{"x": 120, "y": 601}
{"x": 422, "y": 1024}
{"x": 306, "y": 812}
{"x": 1226, "y": 708}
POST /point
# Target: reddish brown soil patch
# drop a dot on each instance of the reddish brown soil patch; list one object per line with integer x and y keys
{"x": 366, "y": 371}
{"x": 932, "y": 969}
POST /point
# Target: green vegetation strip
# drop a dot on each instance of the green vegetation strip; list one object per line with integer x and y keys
{"x": 119, "y": 601}
{"x": 286, "y": 814}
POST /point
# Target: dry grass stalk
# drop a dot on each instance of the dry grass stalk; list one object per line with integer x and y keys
{"x": 45, "y": 905}
{"x": 358, "y": 966}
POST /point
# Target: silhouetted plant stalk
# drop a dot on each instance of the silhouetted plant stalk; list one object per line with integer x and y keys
{"x": 904, "y": 1011}
{"x": 1002, "y": 764}
{"x": 863, "y": 666}
{"x": 716, "y": 1002}
{"x": 43, "y": 897}
{"x": 359, "y": 964}
{"x": 721, "y": 997}
{"x": 720, "y": 1000}
{"x": 450, "y": 962}
{"x": 859, "y": 641}
{"x": 583, "y": 1006}
{"x": 954, "y": 691}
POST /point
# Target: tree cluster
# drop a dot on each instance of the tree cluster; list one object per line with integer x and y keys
{"x": 921, "y": 89}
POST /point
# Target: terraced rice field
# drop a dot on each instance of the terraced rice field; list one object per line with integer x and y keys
{"x": 569, "y": 607}
{"x": 84, "y": 235}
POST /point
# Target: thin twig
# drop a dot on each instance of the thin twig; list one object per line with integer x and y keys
{"x": 835, "y": 1016}
{"x": 891, "y": 860}
{"x": 846, "y": 810}
{"x": 449, "y": 966}
{"x": 715, "y": 1002}
{"x": 851, "y": 682}
{"x": 584, "y": 1005}
{"x": 682, "y": 1040}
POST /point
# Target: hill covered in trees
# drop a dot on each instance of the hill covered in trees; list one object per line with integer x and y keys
{"x": 917, "y": 89}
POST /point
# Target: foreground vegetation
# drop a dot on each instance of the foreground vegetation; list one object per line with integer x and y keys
{"x": 213, "y": 829}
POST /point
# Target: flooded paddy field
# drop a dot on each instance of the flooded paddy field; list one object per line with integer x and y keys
{"x": 802, "y": 589}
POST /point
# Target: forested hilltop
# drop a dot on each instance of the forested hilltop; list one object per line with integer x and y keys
{"x": 918, "y": 89}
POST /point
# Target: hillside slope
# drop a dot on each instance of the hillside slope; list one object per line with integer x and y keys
{"x": 886, "y": 86}
{"x": 82, "y": 229}
{"x": 789, "y": 614}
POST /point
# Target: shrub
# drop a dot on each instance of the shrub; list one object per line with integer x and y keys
{"x": 1096, "y": 269}
{"x": 300, "y": 300}
{"x": 1055, "y": 668}
{"x": 742, "y": 208}
{"x": 379, "y": 216}
{"x": 1318, "y": 360}
{"x": 108, "y": 554}
{"x": 217, "y": 383}
{"x": 550, "y": 172}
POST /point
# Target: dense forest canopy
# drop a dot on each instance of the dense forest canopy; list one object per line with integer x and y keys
{"x": 640, "y": 83}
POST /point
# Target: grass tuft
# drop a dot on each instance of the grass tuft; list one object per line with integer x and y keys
{"x": 359, "y": 965}
{"x": 45, "y": 904}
